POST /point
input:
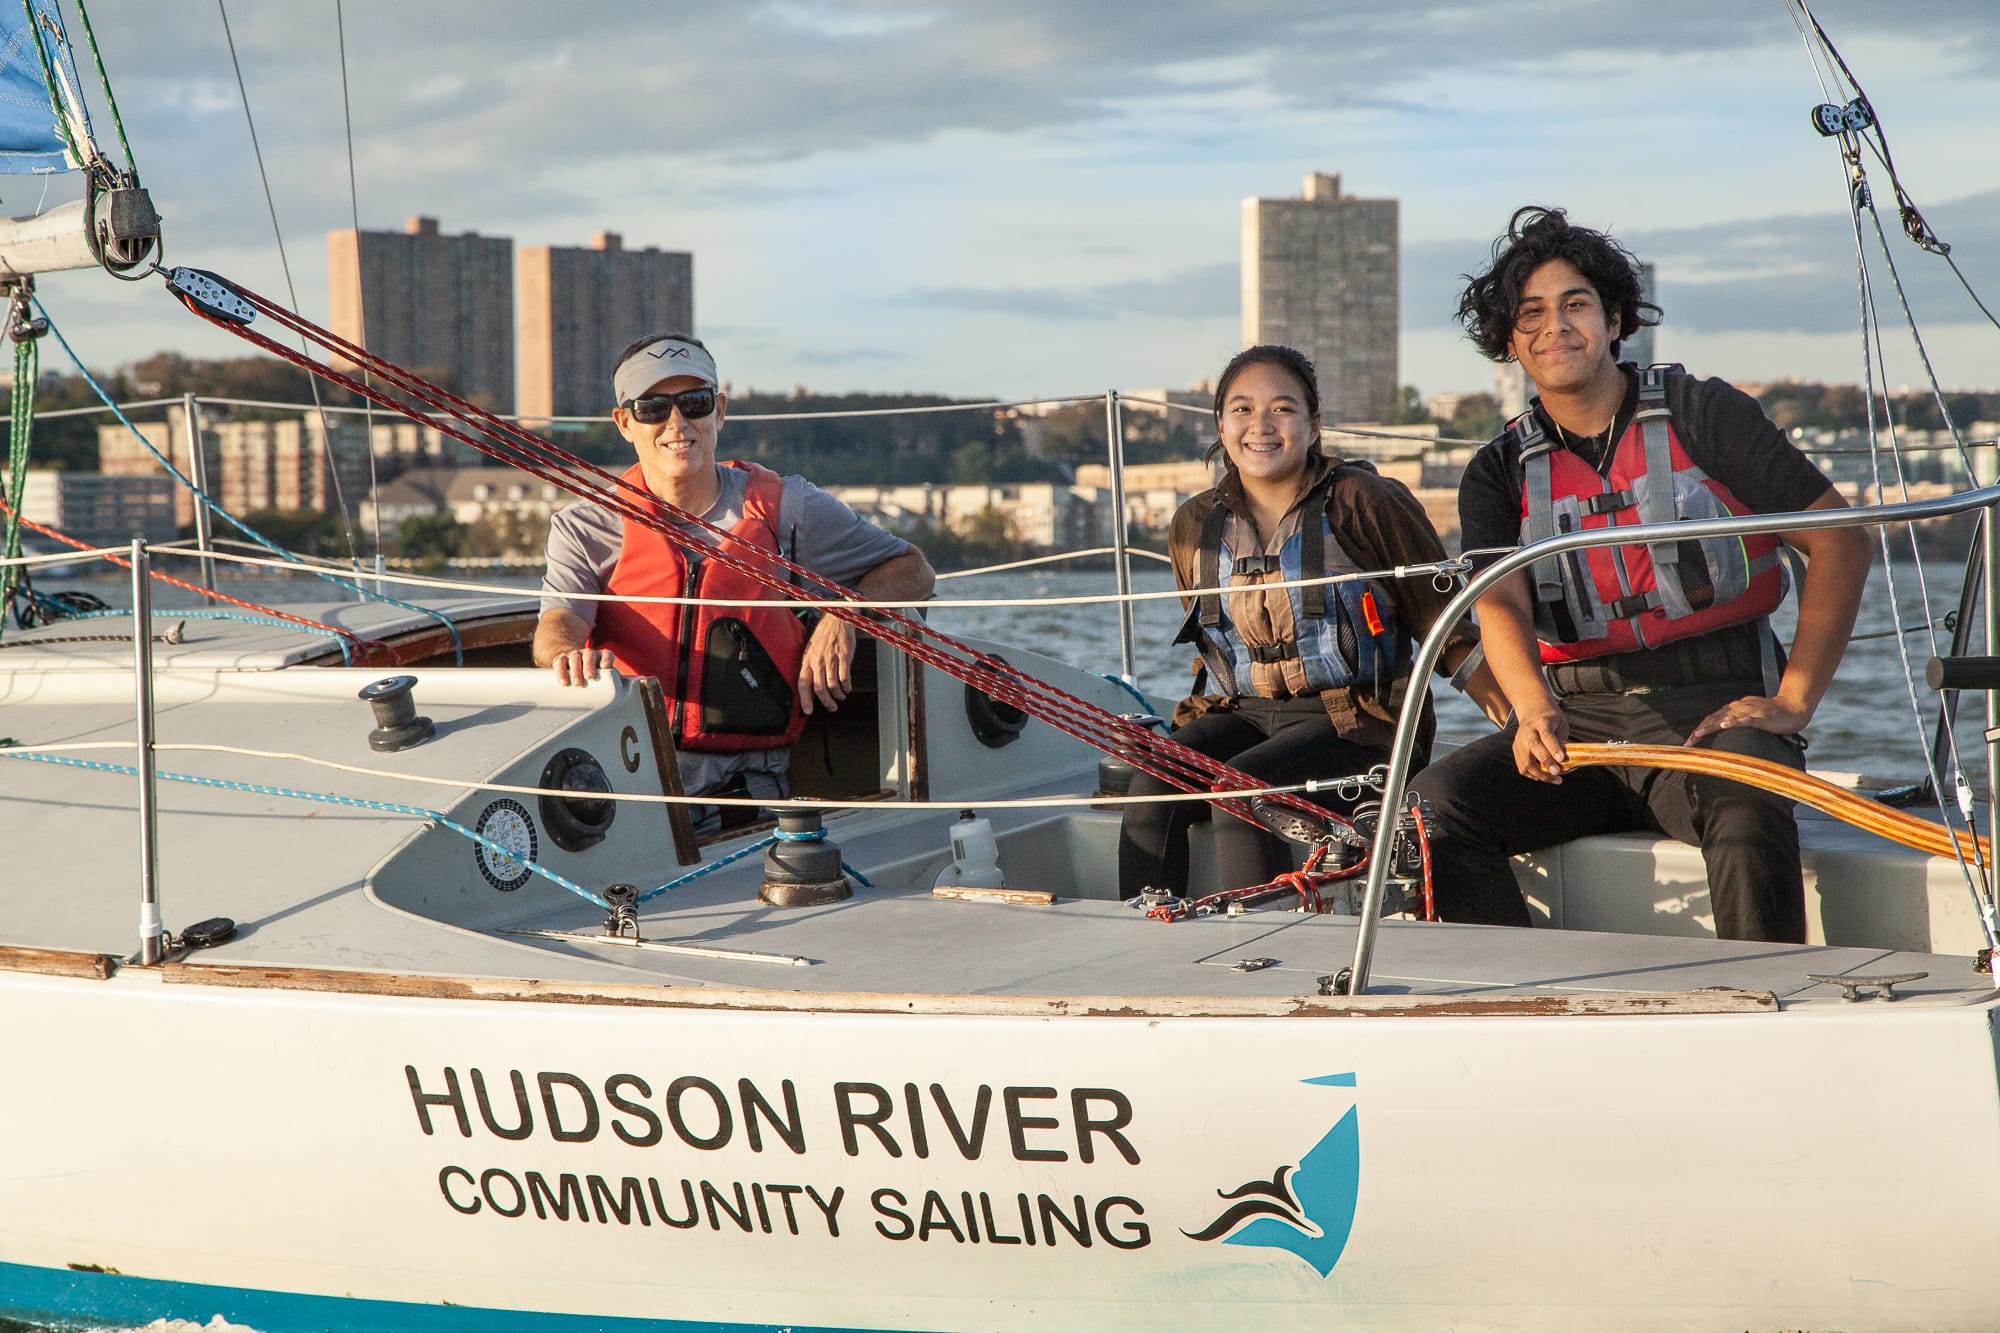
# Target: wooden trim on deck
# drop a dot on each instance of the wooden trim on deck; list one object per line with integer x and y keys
{"x": 496, "y": 631}
{"x": 1606, "y": 1005}
{"x": 680, "y": 819}
{"x": 57, "y": 962}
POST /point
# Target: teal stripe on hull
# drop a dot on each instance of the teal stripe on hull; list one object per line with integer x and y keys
{"x": 66, "y": 1298}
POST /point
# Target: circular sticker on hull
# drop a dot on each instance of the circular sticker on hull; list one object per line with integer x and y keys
{"x": 508, "y": 825}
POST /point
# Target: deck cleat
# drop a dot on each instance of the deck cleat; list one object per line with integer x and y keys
{"x": 1883, "y": 987}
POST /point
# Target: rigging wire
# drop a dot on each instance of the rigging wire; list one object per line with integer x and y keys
{"x": 284, "y": 262}
{"x": 360, "y": 295}
{"x": 352, "y": 646}
{"x": 1853, "y": 132}
{"x": 203, "y": 496}
{"x": 1144, "y": 749}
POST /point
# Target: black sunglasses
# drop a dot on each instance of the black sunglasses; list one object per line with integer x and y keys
{"x": 655, "y": 408}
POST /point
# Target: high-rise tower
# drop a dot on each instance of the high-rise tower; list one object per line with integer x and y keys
{"x": 428, "y": 301}
{"x": 580, "y": 306}
{"x": 1322, "y": 273}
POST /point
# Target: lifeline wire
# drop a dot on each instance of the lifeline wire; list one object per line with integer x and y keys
{"x": 1146, "y": 750}
{"x": 1860, "y": 198}
{"x": 285, "y": 263}
{"x": 326, "y": 798}
{"x": 224, "y": 514}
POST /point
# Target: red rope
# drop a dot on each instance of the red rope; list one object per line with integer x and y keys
{"x": 460, "y": 420}
{"x": 368, "y": 652}
{"x": 1424, "y": 856}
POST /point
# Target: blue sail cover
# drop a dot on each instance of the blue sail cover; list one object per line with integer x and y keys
{"x": 31, "y": 140}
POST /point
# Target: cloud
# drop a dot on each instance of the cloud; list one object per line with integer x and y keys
{"x": 820, "y": 355}
{"x": 454, "y": 100}
{"x": 1204, "y": 291}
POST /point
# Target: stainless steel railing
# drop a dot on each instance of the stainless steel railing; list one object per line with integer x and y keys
{"x": 1432, "y": 647}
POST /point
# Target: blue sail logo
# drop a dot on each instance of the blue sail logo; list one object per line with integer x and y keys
{"x": 1307, "y": 1209}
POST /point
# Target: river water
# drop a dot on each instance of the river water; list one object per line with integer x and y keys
{"x": 1866, "y": 723}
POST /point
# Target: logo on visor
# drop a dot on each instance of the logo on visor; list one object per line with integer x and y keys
{"x": 666, "y": 352}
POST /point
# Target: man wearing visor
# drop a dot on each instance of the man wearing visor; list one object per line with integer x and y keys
{"x": 740, "y": 677}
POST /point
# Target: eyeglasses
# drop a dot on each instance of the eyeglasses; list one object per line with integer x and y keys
{"x": 655, "y": 408}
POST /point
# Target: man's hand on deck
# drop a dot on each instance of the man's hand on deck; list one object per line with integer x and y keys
{"x": 562, "y": 642}
{"x": 580, "y": 666}
{"x": 826, "y": 671}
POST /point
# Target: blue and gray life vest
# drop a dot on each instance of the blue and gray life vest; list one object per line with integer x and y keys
{"x": 1327, "y": 636}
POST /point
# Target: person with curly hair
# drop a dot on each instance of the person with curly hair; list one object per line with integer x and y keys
{"x": 1662, "y": 642}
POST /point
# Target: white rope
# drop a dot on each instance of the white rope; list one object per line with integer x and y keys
{"x": 642, "y": 798}
{"x": 1448, "y": 568}
{"x": 1056, "y": 558}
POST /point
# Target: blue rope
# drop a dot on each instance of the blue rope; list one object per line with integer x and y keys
{"x": 391, "y": 807}
{"x": 327, "y": 798}
{"x": 710, "y": 868}
{"x": 458, "y": 649}
{"x": 777, "y": 836}
{"x": 1129, "y": 688}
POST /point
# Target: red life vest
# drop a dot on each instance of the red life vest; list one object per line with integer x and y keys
{"x": 1616, "y": 599}
{"x": 731, "y": 671}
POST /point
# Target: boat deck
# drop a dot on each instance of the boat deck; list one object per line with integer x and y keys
{"x": 351, "y": 884}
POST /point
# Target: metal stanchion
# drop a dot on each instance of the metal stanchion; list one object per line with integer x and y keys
{"x": 1114, "y": 433}
{"x": 198, "y": 473}
{"x": 152, "y": 935}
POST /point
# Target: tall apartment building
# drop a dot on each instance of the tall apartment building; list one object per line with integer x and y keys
{"x": 428, "y": 301}
{"x": 1322, "y": 273}
{"x": 579, "y": 306}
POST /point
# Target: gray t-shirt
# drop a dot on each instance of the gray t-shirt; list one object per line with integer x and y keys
{"x": 816, "y": 531}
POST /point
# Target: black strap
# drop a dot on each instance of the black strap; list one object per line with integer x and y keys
{"x": 1312, "y": 549}
{"x": 1272, "y": 652}
{"x": 1209, "y": 604}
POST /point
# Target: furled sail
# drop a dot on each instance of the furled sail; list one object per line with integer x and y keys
{"x": 36, "y": 133}
{"x": 45, "y": 128}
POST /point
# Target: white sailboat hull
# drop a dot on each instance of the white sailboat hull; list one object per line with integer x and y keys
{"x": 295, "y": 1158}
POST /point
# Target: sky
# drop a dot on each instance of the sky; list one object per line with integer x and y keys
{"x": 1043, "y": 197}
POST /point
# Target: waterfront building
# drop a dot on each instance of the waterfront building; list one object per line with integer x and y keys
{"x": 1322, "y": 273}
{"x": 471, "y": 495}
{"x": 429, "y": 302}
{"x": 580, "y": 306}
{"x": 250, "y": 465}
{"x": 100, "y": 510}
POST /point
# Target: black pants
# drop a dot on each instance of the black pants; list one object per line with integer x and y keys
{"x": 1277, "y": 741}
{"x": 1485, "y": 812}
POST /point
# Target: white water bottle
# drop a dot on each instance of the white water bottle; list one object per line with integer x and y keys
{"x": 975, "y": 856}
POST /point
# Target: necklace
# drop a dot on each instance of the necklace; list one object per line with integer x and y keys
{"x": 1599, "y": 444}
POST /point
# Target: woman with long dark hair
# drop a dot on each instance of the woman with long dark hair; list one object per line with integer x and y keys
{"x": 1302, "y": 682}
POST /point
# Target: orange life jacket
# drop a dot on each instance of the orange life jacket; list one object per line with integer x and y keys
{"x": 1615, "y": 599}
{"x": 732, "y": 671}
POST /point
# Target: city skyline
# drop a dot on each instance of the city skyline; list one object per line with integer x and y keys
{"x": 1035, "y": 199}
